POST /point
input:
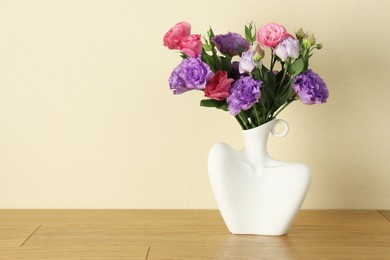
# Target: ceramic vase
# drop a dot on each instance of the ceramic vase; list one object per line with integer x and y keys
{"x": 255, "y": 193}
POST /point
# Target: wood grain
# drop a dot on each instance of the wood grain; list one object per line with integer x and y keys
{"x": 187, "y": 234}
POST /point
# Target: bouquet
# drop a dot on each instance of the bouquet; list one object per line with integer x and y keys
{"x": 230, "y": 70}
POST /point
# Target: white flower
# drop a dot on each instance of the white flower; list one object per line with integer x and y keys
{"x": 247, "y": 64}
{"x": 288, "y": 48}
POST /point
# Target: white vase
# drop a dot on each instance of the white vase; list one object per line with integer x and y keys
{"x": 256, "y": 194}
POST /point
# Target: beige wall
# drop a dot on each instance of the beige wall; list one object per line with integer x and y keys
{"x": 87, "y": 119}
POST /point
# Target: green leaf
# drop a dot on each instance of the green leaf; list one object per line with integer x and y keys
{"x": 248, "y": 33}
{"x": 223, "y": 107}
{"x": 226, "y": 63}
{"x": 256, "y": 74}
{"x": 282, "y": 98}
{"x": 206, "y": 47}
{"x": 208, "y": 59}
{"x": 269, "y": 90}
{"x": 210, "y": 34}
{"x": 297, "y": 67}
{"x": 263, "y": 71}
{"x": 214, "y": 103}
{"x": 271, "y": 80}
{"x": 183, "y": 55}
{"x": 278, "y": 79}
{"x": 279, "y": 76}
{"x": 265, "y": 99}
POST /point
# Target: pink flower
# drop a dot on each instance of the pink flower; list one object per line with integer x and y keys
{"x": 191, "y": 45}
{"x": 174, "y": 36}
{"x": 218, "y": 86}
{"x": 271, "y": 34}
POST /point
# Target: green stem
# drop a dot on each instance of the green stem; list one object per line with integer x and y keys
{"x": 285, "y": 105}
{"x": 240, "y": 122}
{"x": 257, "y": 114}
{"x": 283, "y": 77}
{"x": 244, "y": 120}
{"x": 260, "y": 67}
{"x": 273, "y": 60}
{"x": 288, "y": 83}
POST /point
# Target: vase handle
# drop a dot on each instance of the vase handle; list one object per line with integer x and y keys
{"x": 284, "y": 132}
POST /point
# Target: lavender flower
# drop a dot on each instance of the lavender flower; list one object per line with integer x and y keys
{"x": 230, "y": 44}
{"x": 243, "y": 94}
{"x": 310, "y": 88}
{"x": 247, "y": 64}
{"x": 191, "y": 73}
{"x": 288, "y": 48}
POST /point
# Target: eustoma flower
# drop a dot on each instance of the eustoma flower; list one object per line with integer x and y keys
{"x": 288, "y": 48}
{"x": 247, "y": 64}
{"x": 271, "y": 35}
{"x": 230, "y": 44}
{"x": 219, "y": 86}
{"x": 174, "y": 36}
{"x": 179, "y": 38}
{"x": 243, "y": 94}
{"x": 191, "y": 45}
{"x": 310, "y": 87}
{"x": 191, "y": 73}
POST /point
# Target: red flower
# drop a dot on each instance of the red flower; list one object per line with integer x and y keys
{"x": 219, "y": 86}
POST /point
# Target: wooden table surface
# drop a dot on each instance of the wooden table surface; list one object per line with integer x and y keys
{"x": 187, "y": 234}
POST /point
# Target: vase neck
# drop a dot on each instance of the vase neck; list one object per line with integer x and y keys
{"x": 255, "y": 143}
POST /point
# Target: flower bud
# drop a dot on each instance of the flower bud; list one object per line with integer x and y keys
{"x": 309, "y": 41}
{"x": 259, "y": 53}
{"x": 300, "y": 33}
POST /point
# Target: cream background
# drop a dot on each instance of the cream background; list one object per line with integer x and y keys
{"x": 87, "y": 119}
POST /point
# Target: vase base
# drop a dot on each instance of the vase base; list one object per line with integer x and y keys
{"x": 259, "y": 234}
{"x": 274, "y": 232}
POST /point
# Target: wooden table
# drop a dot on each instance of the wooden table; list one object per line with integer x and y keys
{"x": 187, "y": 234}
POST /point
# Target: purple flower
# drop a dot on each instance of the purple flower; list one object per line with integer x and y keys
{"x": 191, "y": 73}
{"x": 230, "y": 44}
{"x": 243, "y": 94}
{"x": 310, "y": 88}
